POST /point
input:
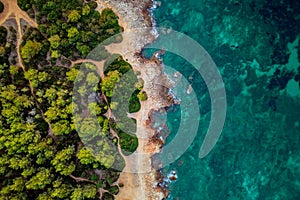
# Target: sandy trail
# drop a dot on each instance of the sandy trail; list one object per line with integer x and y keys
{"x": 12, "y": 10}
{"x": 138, "y": 177}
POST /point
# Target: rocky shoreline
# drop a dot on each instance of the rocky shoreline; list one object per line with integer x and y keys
{"x": 140, "y": 178}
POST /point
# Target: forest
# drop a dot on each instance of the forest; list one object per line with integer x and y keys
{"x": 43, "y": 155}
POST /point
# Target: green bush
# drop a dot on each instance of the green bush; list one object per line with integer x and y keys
{"x": 142, "y": 95}
{"x": 1, "y": 7}
{"x": 129, "y": 143}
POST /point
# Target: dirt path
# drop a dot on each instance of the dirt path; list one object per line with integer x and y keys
{"x": 12, "y": 11}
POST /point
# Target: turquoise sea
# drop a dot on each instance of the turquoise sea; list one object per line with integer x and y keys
{"x": 256, "y": 48}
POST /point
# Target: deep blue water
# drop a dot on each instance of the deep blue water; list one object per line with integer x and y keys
{"x": 255, "y": 45}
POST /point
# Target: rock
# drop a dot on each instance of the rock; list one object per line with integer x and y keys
{"x": 190, "y": 89}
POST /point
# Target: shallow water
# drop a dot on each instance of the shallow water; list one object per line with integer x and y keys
{"x": 255, "y": 46}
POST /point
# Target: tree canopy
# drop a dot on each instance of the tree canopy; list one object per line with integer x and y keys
{"x": 46, "y": 151}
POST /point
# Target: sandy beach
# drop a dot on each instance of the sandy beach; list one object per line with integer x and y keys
{"x": 139, "y": 177}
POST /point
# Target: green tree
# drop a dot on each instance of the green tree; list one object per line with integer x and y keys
{"x": 62, "y": 127}
{"x": 31, "y": 74}
{"x": 13, "y": 69}
{"x": 50, "y": 94}
{"x": 109, "y": 82}
{"x": 92, "y": 79}
{"x": 72, "y": 74}
{"x": 87, "y": 191}
{"x": 55, "y": 54}
{"x": 88, "y": 129}
{"x": 84, "y": 49}
{"x": 54, "y": 41}
{"x": 85, "y": 156}
{"x": 142, "y": 95}
{"x": 60, "y": 190}
{"x": 30, "y": 49}
{"x": 86, "y": 10}
{"x": 44, "y": 196}
{"x": 40, "y": 180}
{"x": 2, "y": 51}
{"x": 62, "y": 161}
{"x": 94, "y": 108}
{"x": 114, "y": 105}
{"x": 74, "y": 16}
{"x": 73, "y": 32}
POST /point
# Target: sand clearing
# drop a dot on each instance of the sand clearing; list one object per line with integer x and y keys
{"x": 138, "y": 177}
